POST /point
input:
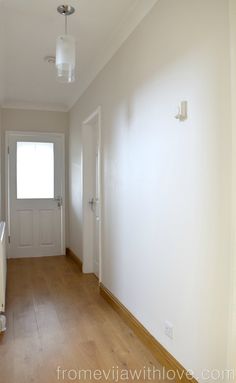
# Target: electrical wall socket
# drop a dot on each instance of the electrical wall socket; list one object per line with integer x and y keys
{"x": 169, "y": 330}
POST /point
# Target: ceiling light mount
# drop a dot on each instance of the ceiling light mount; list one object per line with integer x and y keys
{"x": 66, "y": 10}
{"x": 50, "y": 59}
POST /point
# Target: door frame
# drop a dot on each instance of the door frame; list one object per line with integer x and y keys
{"x": 10, "y": 133}
{"x": 87, "y": 256}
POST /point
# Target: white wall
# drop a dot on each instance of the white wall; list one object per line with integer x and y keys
{"x": 2, "y": 51}
{"x": 232, "y": 331}
{"x": 2, "y": 57}
{"x": 166, "y": 185}
{"x": 1, "y": 175}
{"x": 34, "y": 121}
{"x": 75, "y": 184}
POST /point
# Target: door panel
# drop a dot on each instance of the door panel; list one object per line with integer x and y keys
{"x": 35, "y": 182}
{"x": 46, "y": 229}
{"x": 25, "y": 227}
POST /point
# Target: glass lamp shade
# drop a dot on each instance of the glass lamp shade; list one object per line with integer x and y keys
{"x": 65, "y": 58}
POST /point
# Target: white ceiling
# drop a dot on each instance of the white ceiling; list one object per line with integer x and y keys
{"x": 29, "y": 31}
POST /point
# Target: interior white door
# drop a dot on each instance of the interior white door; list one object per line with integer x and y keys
{"x": 91, "y": 195}
{"x": 91, "y": 172}
{"x": 35, "y": 195}
{"x": 95, "y": 204}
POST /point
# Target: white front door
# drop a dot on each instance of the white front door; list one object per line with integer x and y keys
{"x": 35, "y": 194}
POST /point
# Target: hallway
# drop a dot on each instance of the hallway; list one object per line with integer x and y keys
{"x": 118, "y": 154}
{"x": 56, "y": 317}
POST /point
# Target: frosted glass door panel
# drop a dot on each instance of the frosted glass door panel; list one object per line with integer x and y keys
{"x": 35, "y": 170}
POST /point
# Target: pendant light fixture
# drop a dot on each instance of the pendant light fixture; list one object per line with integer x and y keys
{"x": 65, "y": 50}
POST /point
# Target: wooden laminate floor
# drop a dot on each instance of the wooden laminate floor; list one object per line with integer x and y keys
{"x": 56, "y": 317}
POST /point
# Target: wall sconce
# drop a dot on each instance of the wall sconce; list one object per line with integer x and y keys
{"x": 182, "y": 111}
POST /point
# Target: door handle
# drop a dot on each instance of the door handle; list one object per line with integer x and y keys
{"x": 92, "y": 203}
{"x": 58, "y": 199}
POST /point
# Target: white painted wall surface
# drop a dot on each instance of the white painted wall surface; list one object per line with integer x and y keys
{"x": 166, "y": 185}
{"x": 232, "y": 329}
{"x": 34, "y": 121}
{"x": 2, "y": 57}
{"x": 2, "y": 88}
{"x": 1, "y": 174}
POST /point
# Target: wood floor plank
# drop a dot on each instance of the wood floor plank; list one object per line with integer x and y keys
{"x": 56, "y": 317}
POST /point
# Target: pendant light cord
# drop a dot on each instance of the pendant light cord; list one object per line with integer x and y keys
{"x": 65, "y": 24}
